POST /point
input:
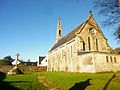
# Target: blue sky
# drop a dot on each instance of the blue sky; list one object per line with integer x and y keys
{"x": 29, "y": 26}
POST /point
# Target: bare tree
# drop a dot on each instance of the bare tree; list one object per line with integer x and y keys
{"x": 117, "y": 32}
{"x": 111, "y": 10}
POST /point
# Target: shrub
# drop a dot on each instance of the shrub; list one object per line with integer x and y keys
{"x": 4, "y": 62}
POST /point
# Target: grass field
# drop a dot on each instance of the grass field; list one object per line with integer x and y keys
{"x": 99, "y": 81}
{"x": 28, "y": 81}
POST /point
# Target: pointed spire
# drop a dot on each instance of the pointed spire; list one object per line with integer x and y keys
{"x": 59, "y": 24}
{"x": 59, "y": 30}
{"x": 59, "y": 18}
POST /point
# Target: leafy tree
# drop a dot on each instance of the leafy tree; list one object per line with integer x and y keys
{"x": 111, "y": 10}
{"x": 8, "y": 58}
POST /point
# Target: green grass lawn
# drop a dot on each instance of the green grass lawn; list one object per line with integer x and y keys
{"x": 64, "y": 81}
{"x": 27, "y": 81}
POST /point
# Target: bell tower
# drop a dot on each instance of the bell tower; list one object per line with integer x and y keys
{"x": 59, "y": 30}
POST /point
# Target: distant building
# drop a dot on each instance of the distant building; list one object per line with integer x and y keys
{"x": 85, "y": 49}
{"x": 43, "y": 61}
{"x": 29, "y": 63}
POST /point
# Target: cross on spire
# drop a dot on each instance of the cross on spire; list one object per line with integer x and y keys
{"x": 90, "y": 12}
{"x": 17, "y": 58}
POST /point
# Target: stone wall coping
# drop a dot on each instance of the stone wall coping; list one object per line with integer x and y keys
{"x": 96, "y": 52}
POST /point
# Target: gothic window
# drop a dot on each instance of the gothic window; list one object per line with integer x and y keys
{"x": 59, "y": 32}
{"x": 107, "y": 59}
{"x": 71, "y": 51}
{"x": 96, "y": 44}
{"x": 91, "y": 31}
{"x": 83, "y": 46}
{"x": 62, "y": 54}
{"x": 111, "y": 59}
{"x": 89, "y": 46}
{"x": 115, "y": 60}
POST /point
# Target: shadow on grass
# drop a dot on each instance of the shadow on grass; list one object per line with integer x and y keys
{"x": 108, "y": 82}
{"x": 7, "y": 85}
{"x": 81, "y": 85}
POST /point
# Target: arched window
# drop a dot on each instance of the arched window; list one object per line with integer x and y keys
{"x": 59, "y": 32}
{"x": 115, "y": 60}
{"x": 111, "y": 59}
{"x": 71, "y": 51}
{"x": 81, "y": 43}
{"x": 92, "y": 31}
{"x": 96, "y": 44}
{"x": 83, "y": 46}
{"x": 107, "y": 59}
{"x": 89, "y": 45}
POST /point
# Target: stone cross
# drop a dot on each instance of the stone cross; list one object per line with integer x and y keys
{"x": 17, "y": 56}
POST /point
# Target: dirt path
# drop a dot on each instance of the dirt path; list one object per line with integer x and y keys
{"x": 47, "y": 84}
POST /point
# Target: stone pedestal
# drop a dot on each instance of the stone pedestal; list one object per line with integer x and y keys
{"x": 14, "y": 71}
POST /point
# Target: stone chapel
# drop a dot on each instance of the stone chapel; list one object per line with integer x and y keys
{"x": 85, "y": 49}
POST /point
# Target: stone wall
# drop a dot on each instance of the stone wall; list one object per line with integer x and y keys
{"x": 6, "y": 68}
{"x": 99, "y": 62}
{"x": 63, "y": 58}
{"x": 67, "y": 58}
{"x": 86, "y": 63}
{"x": 106, "y": 62}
